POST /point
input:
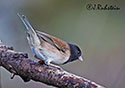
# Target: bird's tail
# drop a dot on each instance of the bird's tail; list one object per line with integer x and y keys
{"x": 32, "y": 36}
{"x": 26, "y": 23}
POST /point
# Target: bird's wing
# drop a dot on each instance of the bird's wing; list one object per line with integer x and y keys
{"x": 59, "y": 44}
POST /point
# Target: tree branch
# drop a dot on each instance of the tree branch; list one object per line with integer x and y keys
{"x": 18, "y": 63}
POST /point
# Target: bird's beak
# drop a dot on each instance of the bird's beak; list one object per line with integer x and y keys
{"x": 80, "y": 58}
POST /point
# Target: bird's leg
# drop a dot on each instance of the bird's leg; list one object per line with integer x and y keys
{"x": 48, "y": 63}
{"x": 39, "y": 59}
{"x": 55, "y": 66}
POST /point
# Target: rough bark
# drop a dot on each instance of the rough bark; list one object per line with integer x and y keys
{"x": 18, "y": 63}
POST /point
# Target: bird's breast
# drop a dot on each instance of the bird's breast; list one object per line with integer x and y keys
{"x": 54, "y": 54}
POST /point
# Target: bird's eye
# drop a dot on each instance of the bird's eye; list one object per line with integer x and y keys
{"x": 78, "y": 52}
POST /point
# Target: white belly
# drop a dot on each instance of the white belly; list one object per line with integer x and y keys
{"x": 54, "y": 57}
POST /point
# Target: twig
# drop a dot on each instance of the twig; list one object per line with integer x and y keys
{"x": 18, "y": 63}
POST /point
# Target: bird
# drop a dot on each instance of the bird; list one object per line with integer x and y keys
{"x": 48, "y": 48}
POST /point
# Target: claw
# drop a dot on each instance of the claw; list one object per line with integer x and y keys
{"x": 55, "y": 66}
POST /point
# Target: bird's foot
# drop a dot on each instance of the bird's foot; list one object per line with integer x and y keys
{"x": 41, "y": 62}
{"x": 48, "y": 63}
{"x": 55, "y": 66}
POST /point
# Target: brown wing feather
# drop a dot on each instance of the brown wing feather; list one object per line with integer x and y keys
{"x": 62, "y": 45}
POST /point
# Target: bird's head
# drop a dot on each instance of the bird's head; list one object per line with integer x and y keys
{"x": 75, "y": 53}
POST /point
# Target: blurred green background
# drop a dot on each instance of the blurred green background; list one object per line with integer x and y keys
{"x": 100, "y": 34}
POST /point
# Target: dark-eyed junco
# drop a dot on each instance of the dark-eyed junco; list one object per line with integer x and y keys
{"x": 49, "y": 48}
